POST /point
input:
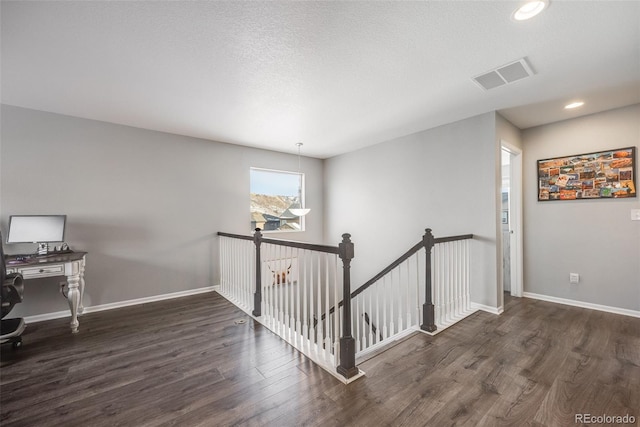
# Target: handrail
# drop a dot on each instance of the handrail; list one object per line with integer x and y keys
{"x": 452, "y": 238}
{"x": 399, "y": 261}
{"x": 303, "y": 245}
{"x": 288, "y": 243}
{"x": 390, "y": 267}
{"x": 235, "y": 236}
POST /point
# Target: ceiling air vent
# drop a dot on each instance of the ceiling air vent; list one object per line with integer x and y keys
{"x": 506, "y": 74}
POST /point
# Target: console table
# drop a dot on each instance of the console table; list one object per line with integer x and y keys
{"x": 69, "y": 264}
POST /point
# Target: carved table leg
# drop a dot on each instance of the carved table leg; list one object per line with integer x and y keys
{"x": 73, "y": 296}
{"x": 81, "y": 273}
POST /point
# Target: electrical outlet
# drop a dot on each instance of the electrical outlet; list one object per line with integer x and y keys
{"x": 574, "y": 278}
{"x": 635, "y": 214}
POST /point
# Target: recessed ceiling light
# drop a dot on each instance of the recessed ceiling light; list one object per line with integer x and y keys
{"x": 574, "y": 105}
{"x": 530, "y": 9}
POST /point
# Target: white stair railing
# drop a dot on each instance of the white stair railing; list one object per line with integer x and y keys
{"x": 390, "y": 306}
{"x": 298, "y": 287}
{"x": 237, "y": 271}
{"x": 299, "y": 283}
{"x": 302, "y": 284}
{"x": 451, "y": 282}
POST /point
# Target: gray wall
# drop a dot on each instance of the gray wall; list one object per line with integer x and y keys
{"x": 595, "y": 238}
{"x": 146, "y": 205}
{"x": 505, "y": 131}
{"x": 444, "y": 178}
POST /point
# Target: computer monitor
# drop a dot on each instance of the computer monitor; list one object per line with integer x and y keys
{"x": 41, "y": 229}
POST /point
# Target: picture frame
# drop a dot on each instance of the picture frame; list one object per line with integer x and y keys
{"x": 607, "y": 174}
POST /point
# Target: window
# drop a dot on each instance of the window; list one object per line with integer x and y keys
{"x": 273, "y": 193}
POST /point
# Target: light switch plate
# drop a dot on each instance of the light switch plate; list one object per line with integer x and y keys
{"x": 635, "y": 214}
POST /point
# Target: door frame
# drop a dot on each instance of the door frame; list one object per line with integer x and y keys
{"x": 515, "y": 217}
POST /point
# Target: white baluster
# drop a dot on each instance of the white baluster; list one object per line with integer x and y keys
{"x": 407, "y": 288}
{"x": 418, "y": 301}
{"x": 442, "y": 274}
{"x": 292, "y": 306}
{"x": 469, "y": 243}
{"x": 298, "y": 331}
{"x": 336, "y": 316}
{"x": 467, "y": 262}
{"x": 390, "y": 297}
{"x": 450, "y": 295}
{"x": 452, "y": 279}
{"x": 327, "y": 302}
{"x": 398, "y": 291}
{"x": 370, "y": 315}
{"x": 272, "y": 287}
{"x": 460, "y": 276}
{"x": 221, "y": 250}
{"x": 247, "y": 288}
{"x": 240, "y": 272}
{"x": 340, "y": 312}
{"x": 309, "y": 301}
{"x": 230, "y": 285}
{"x": 280, "y": 291}
{"x": 456, "y": 260}
{"x": 303, "y": 283}
{"x": 237, "y": 281}
{"x": 441, "y": 279}
{"x": 227, "y": 263}
{"x": 318, "y": 289}
{"x": 234, "y": 271}
{"x": 265, "y": 255}
{"x": 355, "y": 314}
{"x": 440, "y": 283}
{"x": 363, "y": 323}
{"x": 454, "y": 290}
{"x": 384, "y": 306}
{"x": 283, "y": 290}
{"x": 379, "y": 331}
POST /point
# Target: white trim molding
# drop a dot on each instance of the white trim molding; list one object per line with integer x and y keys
{"x": 120, "y": 304}
{"x": 582, "y": 304}
{"x": 487, "y": 308}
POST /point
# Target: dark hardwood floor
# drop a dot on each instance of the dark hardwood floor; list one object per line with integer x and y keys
{"x": 186, "y": 362}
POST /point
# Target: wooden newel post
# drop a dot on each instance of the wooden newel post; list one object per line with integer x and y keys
{"x": 257, "y": 295}
{"x": 428, "y": 313}
{"x": 347, "y": 367}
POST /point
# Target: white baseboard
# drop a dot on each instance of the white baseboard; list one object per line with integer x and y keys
{"x": 487, "y": 308}
{"x": 120, "y": 304}
{"x": 582, "y": 304}
{"x": 47, "y": 316}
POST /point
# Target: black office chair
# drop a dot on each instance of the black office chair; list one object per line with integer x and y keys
{"x": 11, "y": 294}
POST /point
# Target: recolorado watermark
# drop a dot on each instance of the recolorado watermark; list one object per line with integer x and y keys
{"x": 604, "y": 419}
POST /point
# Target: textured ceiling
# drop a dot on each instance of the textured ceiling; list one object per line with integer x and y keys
{"x": 337, "y": 76}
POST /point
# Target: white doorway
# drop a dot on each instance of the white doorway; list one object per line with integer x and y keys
{"x": 511, "y": 219}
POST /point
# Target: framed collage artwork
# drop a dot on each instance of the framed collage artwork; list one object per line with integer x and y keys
{"x": 601, "y": 175}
